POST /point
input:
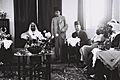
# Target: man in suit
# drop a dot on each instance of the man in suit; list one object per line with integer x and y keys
{"x": 80, "y": 34}
{"x": 58, "y": 30}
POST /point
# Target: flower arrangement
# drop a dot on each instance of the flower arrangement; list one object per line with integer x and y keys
{"x": 105, "y": 39}
{"x": 2, "y": 14}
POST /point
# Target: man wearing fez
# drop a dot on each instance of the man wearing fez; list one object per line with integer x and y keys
{"x": 80, "y": 34}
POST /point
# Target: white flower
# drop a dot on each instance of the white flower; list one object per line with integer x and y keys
{"x": 48, "y": 35}
{"x": 44, "y": 31}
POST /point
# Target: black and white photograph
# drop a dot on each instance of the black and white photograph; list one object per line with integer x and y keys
{"x": 59, "y": 39}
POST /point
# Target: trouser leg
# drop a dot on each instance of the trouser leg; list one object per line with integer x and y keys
{"x": 56, "y": 47}
{"x": 85, "y": 51}
{"x": 61, "y": 44}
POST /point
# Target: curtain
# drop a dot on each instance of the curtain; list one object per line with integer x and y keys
{"x": 94, "y": 13}
{"x": 25, "y": 12}
{"x": 46, "y": 12}
{"x": 116, "y": 10}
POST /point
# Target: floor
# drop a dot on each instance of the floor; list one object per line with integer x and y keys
{"x": 59, "y": 71}
{"x": 67, "y": 72}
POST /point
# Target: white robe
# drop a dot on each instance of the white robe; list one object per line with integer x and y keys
{"x": 32, "y": 34}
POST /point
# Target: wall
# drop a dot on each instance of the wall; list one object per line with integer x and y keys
{"x": 89, "y": 12}
{"x": 119, "y": 11}
{"x": 81, "y": 12}
{"x": 116, "y": 10}
{"x": 0, "y": 4}
{"x": 7, "y": 6}
{"x": 95, "y": 12}
{"x": 70, "y": 11}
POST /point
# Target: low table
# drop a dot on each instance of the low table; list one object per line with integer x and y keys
{"x": 25, "y": 60}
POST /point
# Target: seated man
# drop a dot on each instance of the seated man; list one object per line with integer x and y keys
{"x": 78, "y": 39}
{"x": 33, "y": 39}
{"x": 32, "y": 35}
{"x": 81, "y": 34}
{"x": 73, "y": 46}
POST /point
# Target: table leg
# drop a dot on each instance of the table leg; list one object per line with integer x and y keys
{"x": 23, "y": 67}
{"x": 48, "y": 66}
{"x": 19, "y": 71}
{"x": 30, "y": 64}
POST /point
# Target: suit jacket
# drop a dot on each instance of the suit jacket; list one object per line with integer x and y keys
{"x": 83, "y": 38}
{"x": 116, "y": 41}
{"x": 59, "y": 26}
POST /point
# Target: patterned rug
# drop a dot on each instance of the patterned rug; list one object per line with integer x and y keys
{"x": 67, "y": 72}
{"x": 61, "y": 72}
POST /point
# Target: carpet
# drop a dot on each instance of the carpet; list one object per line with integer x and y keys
{"x": 61, "y": 72}
{"x": 67, "y": 72}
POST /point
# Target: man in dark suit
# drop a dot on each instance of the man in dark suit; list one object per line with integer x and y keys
{"x": 80, "y": 34}
{"x": 83, "y": 39}
{"x": 116, "y": 41}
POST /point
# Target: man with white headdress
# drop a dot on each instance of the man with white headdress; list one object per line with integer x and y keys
{"x": 115, "y": 24}
{"x": 32, "y": 34}
{"x": 116, "y": 36}
{"x": 116, "y": 28}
